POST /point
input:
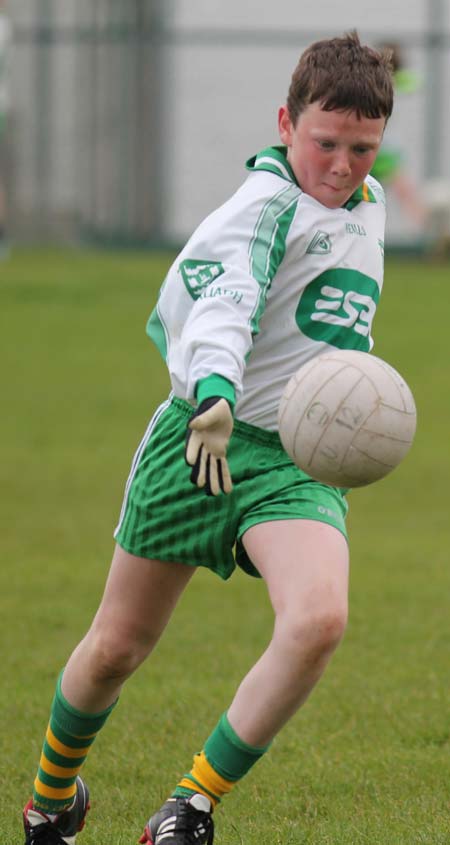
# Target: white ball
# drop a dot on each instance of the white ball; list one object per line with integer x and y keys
{"x": 347, "y": 418}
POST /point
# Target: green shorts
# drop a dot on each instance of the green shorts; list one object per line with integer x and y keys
{"x": 165, "y": 516}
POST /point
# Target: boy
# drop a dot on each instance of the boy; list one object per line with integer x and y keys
{"x": 291, "y": 264}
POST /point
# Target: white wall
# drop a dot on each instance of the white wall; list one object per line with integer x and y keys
{"x": 221, "y": 95}
{"x": 407, "y": 16}
{"x": 226, "y": 96}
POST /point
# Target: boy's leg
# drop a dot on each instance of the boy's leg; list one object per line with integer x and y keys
{"x": 137, "y": 603}
{"x": 305, "y": 566}
{"x": 139, "y": 598}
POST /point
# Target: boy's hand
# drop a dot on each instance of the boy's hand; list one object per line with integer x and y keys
{"x": 209, "y": 431}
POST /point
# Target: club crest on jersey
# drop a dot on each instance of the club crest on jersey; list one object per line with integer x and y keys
{"x": 320, "y": 244}
{"x": 197, "y": 275}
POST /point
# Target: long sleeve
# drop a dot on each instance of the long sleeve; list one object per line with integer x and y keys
{"x": 211, "y": 303}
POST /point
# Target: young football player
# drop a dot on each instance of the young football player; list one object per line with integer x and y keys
{"x": 289, "y": 266}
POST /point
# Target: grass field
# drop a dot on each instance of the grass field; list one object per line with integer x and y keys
{"x": 367, "y": 759}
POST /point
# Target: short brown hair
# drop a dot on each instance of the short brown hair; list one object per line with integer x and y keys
{"x": 343, "y": 74}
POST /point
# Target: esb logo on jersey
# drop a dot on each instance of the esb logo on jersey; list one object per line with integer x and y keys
{"x": 338, "y": 308}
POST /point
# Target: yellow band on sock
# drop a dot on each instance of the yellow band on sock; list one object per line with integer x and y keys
{"x": 54, "y": 793}
{"x": 57, "y": 771}
{"x": 203, "y": 775}
{"x": 62, "y": 749}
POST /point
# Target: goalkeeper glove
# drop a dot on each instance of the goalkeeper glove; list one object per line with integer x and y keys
{"x": 209, "y": 430}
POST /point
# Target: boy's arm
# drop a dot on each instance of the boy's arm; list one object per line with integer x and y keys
{"x": 210, "y": 307}
{"x": 209, "y": 312}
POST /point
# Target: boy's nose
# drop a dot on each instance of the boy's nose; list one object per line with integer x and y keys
{"x": 341, "y": 164}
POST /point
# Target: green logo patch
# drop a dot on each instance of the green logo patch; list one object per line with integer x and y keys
{"x": 338, "y": 308}
{"x": 320, "y": 244}
{"x": 197, "y": 275}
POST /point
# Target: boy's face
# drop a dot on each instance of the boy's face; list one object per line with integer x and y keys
{"x": 330, "y": 152}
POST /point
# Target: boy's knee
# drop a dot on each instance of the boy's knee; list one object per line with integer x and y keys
{"x": 114, "y": 656}
{"x": 318, "y": 630}
{"x": 329, "y": 626}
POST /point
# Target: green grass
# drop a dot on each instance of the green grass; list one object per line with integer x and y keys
{"x": 366, "y": 761}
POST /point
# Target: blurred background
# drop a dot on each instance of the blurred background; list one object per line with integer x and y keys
{"x": 122, "y": 124}
{"x": 125, "y": 122}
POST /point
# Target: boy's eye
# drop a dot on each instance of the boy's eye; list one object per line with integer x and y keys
{"x": 326, "y": 145}
{"x": 361, "y": 150}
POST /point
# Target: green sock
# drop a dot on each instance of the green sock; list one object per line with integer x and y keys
{"x": 69, "y": 736}
{"x": 227, "y": 756}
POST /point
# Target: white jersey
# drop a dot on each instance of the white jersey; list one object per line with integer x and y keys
{"x": 267, "y": 281}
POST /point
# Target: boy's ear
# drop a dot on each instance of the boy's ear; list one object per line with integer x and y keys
{"x": 285, "y": 127}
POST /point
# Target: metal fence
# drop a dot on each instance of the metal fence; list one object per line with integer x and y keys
{"x": 119, "y": 105}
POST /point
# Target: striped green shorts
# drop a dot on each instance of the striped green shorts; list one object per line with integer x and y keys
{"x": 165, "y": 516}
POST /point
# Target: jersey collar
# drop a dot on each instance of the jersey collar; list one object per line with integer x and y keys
{"x": 362, "y": 194}
{"x": 274, "y": 160}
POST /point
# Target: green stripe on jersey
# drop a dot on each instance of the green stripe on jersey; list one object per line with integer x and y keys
{"x": 157, "y": 331}
{"x": 268, "y": 244}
